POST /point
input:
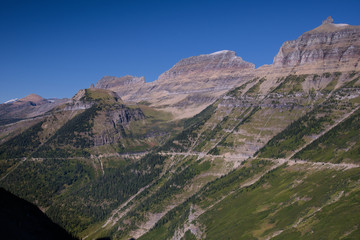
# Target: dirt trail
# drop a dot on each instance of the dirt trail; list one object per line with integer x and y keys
{"x": 317, "y": 164}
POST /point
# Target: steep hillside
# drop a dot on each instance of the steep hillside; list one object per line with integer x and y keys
{"x": 268, "y": 153}
{"x": 226, "y": 137}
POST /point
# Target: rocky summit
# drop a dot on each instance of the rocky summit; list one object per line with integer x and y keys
{"x": 330, "y": 47}
{"x": 213, "y": 149}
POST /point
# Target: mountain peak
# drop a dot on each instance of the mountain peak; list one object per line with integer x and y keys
{"x": 32, "y": 98}
{"x": 329, "y": 46}
{"x": 328, "y": 25}
{"x": 328, "y": 20}
{"x": 217, "y": 61}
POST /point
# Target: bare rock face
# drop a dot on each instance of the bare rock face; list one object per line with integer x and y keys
{"x": 329, "y": 46}
{"x": 112, "y": 128}
{"x": 110, "y": 82}
{"x": 123, "y": 86}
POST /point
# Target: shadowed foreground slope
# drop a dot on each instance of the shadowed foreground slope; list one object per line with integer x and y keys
{"x": 20, "y": 219}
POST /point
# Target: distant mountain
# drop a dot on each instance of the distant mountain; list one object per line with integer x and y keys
{"x": 189, "y": 86}
{"x": 20, "y": 219}
{"x": 30, "y": 106}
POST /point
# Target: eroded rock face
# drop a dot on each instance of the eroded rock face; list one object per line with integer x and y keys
{"x": 123, "y": 86}
{"x": 327, "y": 46}
{"x": 109, "y": 82}
{"x": 115, "y": 120}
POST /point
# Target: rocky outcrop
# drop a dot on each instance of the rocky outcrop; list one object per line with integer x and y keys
{"x": 116, "y": 120}
{"x": 329, "y": 46}
{"x": 126, "y": 115}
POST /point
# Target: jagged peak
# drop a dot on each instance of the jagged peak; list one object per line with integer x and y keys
{"x": 328, "y": 20}
{"x": 328, "y": 25}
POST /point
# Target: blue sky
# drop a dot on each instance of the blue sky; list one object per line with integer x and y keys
{"x": 54, "y": 48}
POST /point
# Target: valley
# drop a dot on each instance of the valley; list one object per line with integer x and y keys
{"x": 213, "y": 149}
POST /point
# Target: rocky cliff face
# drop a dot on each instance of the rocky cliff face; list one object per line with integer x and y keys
{"x": 329, "y": 46}
{"x": 109, "y": 82}
{"x": 123, "y": 86}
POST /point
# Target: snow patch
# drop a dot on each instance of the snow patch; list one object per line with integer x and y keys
{"x": 341, "y": 25}
{"x": 220, "y": 52}
{"x": 11, "y": 100}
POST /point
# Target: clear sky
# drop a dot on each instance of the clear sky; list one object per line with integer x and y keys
{"x": 56, "y": 47}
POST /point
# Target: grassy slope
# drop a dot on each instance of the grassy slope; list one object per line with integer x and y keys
{"x": 209, "y": 194}
{"x": 281, "y": 199}
{"x": 341, "y": 144}
{"x": 314, "y": 122}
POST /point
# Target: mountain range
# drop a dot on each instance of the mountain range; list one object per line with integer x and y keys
{"x": 213, "y": 149}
